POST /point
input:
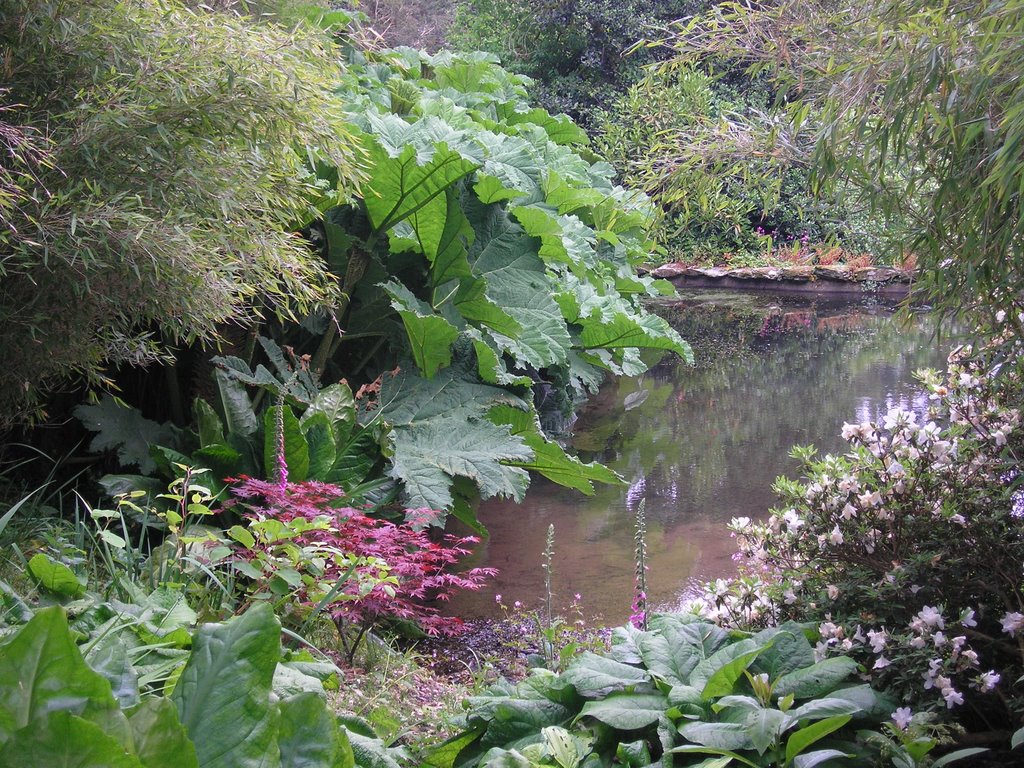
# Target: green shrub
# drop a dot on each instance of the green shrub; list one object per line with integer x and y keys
{"x": 575, "y": 51}
{"x": 488, "y": 280}
{"x": 682, "y": 136}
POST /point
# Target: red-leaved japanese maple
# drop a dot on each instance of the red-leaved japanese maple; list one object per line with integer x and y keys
{"x": 421, "y": 566}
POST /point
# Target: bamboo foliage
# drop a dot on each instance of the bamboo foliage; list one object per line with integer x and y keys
{"x": 178, "y": 146}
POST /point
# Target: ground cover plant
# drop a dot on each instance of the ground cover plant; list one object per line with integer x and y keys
{"x": 223, "y": 709}
{"x": 680, "y": 693}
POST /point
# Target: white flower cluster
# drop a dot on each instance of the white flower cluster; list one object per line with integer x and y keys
{"x": 871, "y": 532}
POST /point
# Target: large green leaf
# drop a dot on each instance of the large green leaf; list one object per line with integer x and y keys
{"x": 355, "y": 458}
{"x": 564, "y": 239}
{"x": 407, "y": 400}
{"x": 449, "y": 261}
{"x": 309, "y": 735}
{"x": 401, "y": 188}
{"x": 671, "y": 662}
{"x": 641, "y": 331}
{"x": 370, "y": 752}
{"x": 54, "y": 576}
{"x": 725, "y": 736}
{"x": 516, "y": 282}
{"x": 548, "y": 458}
{"x": 163, "y": 616}
{"x": 872, "y": 703}
{"x": 445, "y": 755}
{"x": 687, "y": 701}
{"x": 514, "y": 719}
{"x": 429, "y": 456}
{"x": 62, "y": 740}
{"x": 42, "y": 671}
{"x": 816, "y": 709}
{"x": 478, "y": 309}
{"x": 765, "y": 726}
{"x": 627, "y": 711}
{"x": 320, "y": 442}
{"x": 108, "y": 655}
{"x": 510, "y": 168}
{"x": 430, "y": 335}
{"x": 239, "y": 417}
{"x": 296, "y": 449}
{"x": 808, "y": 735}
{"x": 125, "y": 430}
{"x": 790, "y": 651}
{"x": 559, "y": 128}
{"x": 676, "y": 645}
{"x": 491, "y": 363}
{"x": 223, "y": 694}
{"x": 336, "y": 403}
{"x": 225, "y": 460}
{"x": 593, "y": 675}
{"x": 817, "y": 680}
{"x": 208, "y": 423}
{"x": 568, "y": 198}
{"x": 717, "y": 675}
{"x": 440, "y": 431}
{"x": 159, "y": 737}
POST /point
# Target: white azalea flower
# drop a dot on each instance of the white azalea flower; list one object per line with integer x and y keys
{"x": 902, "y": 717}
{"x": 952, "y": 696}
{"x": 878, "y": 638}
{"x": 1012, "y": 622}
{"x": 988, "y": 681}
{"x": 932, "y": 617}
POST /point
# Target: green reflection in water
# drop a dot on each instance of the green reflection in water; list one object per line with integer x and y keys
{"x": 704, "y": 444}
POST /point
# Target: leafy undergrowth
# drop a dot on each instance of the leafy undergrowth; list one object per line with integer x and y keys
{"x": 403, "y": 700}
{"x": 414, "y": 698}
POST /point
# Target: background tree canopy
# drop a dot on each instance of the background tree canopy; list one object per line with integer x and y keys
{"x": 919, "y": 105}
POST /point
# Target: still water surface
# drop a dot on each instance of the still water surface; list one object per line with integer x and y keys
{"x": 702, "y": 445}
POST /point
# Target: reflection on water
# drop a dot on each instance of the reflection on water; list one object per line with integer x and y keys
{"x": 703, "y": 445}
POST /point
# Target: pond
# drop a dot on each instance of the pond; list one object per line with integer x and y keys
{"x": 702, "y": 445}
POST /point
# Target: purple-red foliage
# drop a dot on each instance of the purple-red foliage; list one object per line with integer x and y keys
{"x": 421, "y": 566}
